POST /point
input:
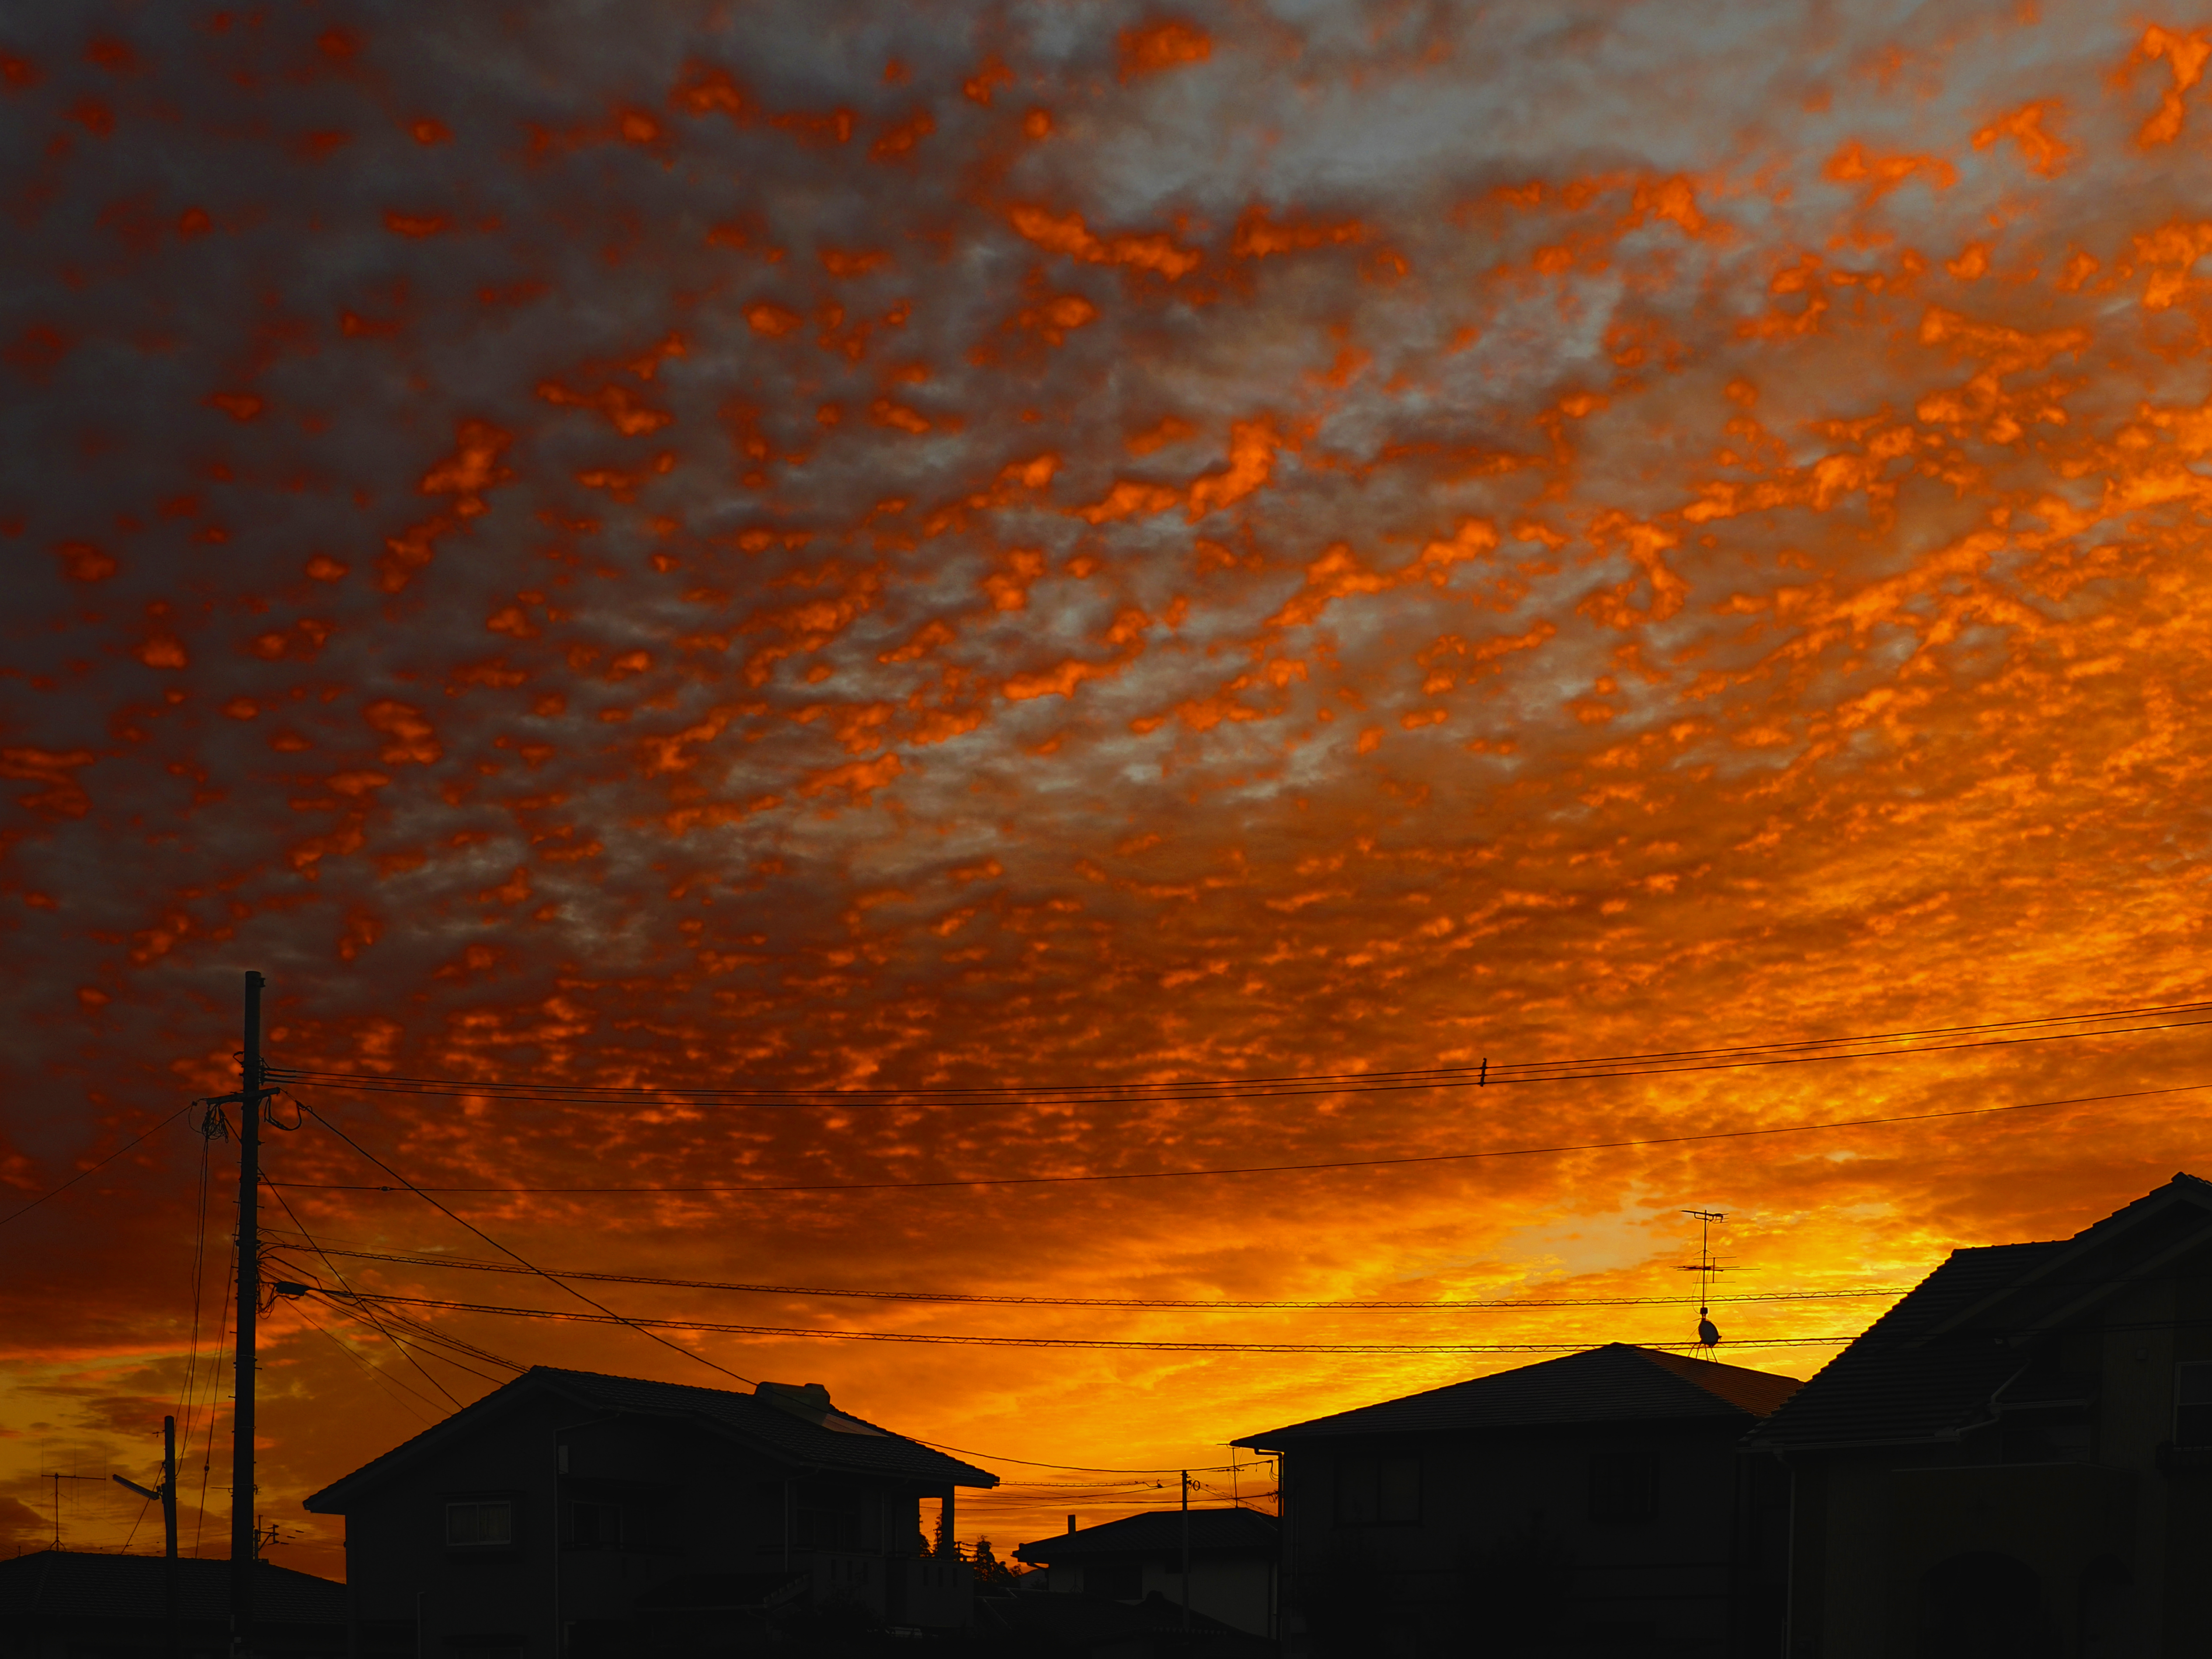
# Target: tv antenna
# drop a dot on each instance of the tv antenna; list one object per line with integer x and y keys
{"x": 57, "y": 1477}
{"x": 1708, "y": 1334}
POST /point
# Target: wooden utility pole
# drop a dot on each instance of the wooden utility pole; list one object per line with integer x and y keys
{"x": 1186, "y": 1549}
{"x": 243, "y": 1541}
{"x": 166, "y": 1494}
{"x": 176, "y": 1645}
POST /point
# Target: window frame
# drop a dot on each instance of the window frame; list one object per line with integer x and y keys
{"x": 1370, "y": 1490}
{"x": 1624, "y": 1488}
{"x": 2186, "y": 1410}
{"x": 1398, "y": 1491}
{"x": 610, "y": 1524}
{"x": 481, "y": 1502}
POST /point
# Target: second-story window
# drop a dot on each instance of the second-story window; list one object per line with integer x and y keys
{"x": 480, "y": 1521}
{"x": 1622, "y": 1487}
{"x": 1378, "y": 1491}
{"x": 595, "y": 1525}
{"x": 2192, "y": 1403}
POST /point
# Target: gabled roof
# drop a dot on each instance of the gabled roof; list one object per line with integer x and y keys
{"x": 1158, "y": 1532}
{"x": 769, "y": 1423}
{"x": 1616, "y": 1383}
{"x": 79, "y": 1585}
{"x": 1933, "y": 1364}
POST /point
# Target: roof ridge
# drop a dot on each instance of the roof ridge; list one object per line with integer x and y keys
{"x": 748, "y": 1418}
{"x": 1600, "y": 1383}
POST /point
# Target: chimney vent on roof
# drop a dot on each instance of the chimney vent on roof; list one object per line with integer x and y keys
{"x": 809, "y": 1401}
{"x": 811, "y": 1395}
{"x": 1071, "y": 1523}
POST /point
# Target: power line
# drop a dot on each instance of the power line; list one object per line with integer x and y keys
{"x": 95, "y": 1168}
{"x": 199, "y": 1291}
{"x": 605, "y": 1313}
{"x": 1271, "y": 1168}
{"x": 451, "y": 1398}
{"x": 431, "y": 1343}
{"x": 1786, "y": 1052}
{"x": 447, "y": 1347}
{"x": 605, "y": 1317}
{"x": 1347, "y": 1306}
{"x": 214, "y": 1389}
{"x": 388, "y": 1385}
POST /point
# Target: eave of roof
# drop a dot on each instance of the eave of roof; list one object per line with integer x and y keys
{"x": 1212, "y": 1531}
{"x": 748, "y": 1420}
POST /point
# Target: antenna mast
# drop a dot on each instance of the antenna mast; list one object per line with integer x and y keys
{"x": 1709, "y": 1335}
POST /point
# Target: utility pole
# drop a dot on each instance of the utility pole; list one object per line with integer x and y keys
{"x": 1186, "y": 1549}
{"x": 166, "y": 1494}
{"x": 176, "y": 1645}
{"x": 243, "y": 1541}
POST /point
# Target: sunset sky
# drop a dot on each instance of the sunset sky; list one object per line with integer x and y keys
{"x": 1024, "y": 545}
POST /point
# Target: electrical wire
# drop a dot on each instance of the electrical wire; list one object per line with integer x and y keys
{"x": 452, "y": 1399}
{"x": 605, "y": 1312}
{"x": 607, "y": 1317}
{"x": 131, "y": 1536}
{"x": 200, "y": 1289}
{"x": 387, "y": 1384}
{"x": 215, "y": 1386}
{"x": 1277, "y": 1168}
{"x": 1163, "y": 1303}
{"x": 95, "y": 1170}
{"x": 1785, "y": 1052}
{"x": 612, "y": 1317}
{"x": 447, "y": 1345}
{"x": 431, "y": 1341}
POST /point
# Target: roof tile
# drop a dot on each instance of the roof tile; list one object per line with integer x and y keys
{"x": 80, "y": 1583}
{"x": 876, "y": 1450}
{"x": 1617, "y": 1382}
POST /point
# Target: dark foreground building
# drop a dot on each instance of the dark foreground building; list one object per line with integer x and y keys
{"x": 1587, "y": 1504}
{"x": 569, "y": 1514}
{"x": 2017, "y": 1458}
{"x": 1233, "y": 1559}
{"x": 71, "y": 1604}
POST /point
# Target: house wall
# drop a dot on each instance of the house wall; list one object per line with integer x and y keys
{"x": 2115, "y": 1534}
{"x": 398, "y": 1566}
{"x": 1236, "y": 1592}
{"x": 1507, "y": 1544}
{"x": 688, "y": 1504}
{"x": 1235, "y": 1589}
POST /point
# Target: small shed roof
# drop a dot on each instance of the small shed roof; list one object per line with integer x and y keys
{"x": 1616, "y": 1383}
{"x": 80, "y": 1584}
{"x": 1158, "y": 1532}
{"x": 775, "y": 1423}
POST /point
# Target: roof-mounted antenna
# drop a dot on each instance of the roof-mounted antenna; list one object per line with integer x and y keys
{"x": 1708, "y": 1334}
